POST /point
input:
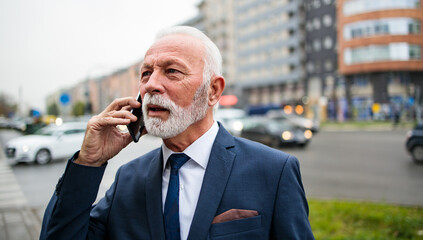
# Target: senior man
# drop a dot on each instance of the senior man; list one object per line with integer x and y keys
{"x": 202, "y": 183}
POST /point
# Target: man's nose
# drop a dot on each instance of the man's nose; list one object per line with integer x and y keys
{"x": 155, "y": 83}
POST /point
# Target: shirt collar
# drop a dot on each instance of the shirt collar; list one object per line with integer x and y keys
{"x": 199, "y": 150}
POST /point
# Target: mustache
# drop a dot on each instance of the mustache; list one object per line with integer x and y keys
{"x": 158, "y": 100}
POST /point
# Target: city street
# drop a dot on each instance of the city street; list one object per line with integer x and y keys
{"x": 361, "y": 165}
{"x": 357, "y": 165}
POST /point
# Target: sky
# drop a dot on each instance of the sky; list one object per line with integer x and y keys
{"x": 47, "y": 45}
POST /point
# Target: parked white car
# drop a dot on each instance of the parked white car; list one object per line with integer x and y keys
{"x": 231, "y": 119}
{"x": 50, "y": 142}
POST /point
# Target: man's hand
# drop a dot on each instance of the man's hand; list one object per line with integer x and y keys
{"x": 103, "y": 140}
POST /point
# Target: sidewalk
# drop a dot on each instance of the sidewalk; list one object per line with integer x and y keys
{"x": 17, "y": 220}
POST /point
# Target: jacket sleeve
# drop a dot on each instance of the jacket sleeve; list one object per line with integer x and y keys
{"x": 290, "y": 216}
{"x": 67, "y": 215}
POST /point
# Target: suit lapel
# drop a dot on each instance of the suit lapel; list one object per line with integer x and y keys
{"x": 154, "y": 197}
{"x": 214, "y": 183}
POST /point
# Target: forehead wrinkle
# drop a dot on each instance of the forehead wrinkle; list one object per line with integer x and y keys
{"x": 165, "y": 62}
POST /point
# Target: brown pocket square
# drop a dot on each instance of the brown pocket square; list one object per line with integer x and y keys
{"x": 234, "y": 214}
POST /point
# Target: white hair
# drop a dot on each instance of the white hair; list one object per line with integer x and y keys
{"x": 212, "y": 58}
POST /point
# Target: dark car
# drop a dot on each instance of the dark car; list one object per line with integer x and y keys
{"x": 414, "y": 143}
{"x": 275, "y": 133}
{"x": 298, "y": 120}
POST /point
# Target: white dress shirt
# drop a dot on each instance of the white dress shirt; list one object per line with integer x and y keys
{"x": 191, "y": 176}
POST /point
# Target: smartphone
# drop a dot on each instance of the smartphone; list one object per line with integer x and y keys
{"x": 136, "y": 128}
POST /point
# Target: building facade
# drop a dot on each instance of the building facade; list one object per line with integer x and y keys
{"x": 380, "y": 56}
{"x": 321, "y": 59}
{"x": 270, "y": 61}
{"x": 344, "y": 59}
{"x": 217, "y": 21}
{"x": 97, "y": 93}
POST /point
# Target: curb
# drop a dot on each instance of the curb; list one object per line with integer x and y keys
{"x": 17, "y": 219}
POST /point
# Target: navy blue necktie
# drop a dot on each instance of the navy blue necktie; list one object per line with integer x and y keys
{"x": 171, "y": 209}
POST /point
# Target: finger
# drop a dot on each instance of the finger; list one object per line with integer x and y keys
{"x": 119, "y": 103}
{"x": 112, "y": 121}
{"x": 127, "y": 108}
{"x": 123, "y": 114}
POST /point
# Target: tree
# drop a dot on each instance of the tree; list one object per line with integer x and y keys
{"x": 53, "y": 109}
{"x": 78, "y": 109}
{"x": 7, "y": 105}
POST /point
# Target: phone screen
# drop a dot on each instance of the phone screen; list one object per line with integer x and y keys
{"x": 135, "y": 128}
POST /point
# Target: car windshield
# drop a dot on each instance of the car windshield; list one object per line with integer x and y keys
{"x": 278, "y": 125}
{"x": 46, "y": 131}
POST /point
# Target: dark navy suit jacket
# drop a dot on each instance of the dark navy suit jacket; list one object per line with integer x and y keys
{"x": 241, "y": 174}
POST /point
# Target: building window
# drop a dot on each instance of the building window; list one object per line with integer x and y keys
{"x": 361, "y": 81}
{"x": 327, "y": 42}
{"x": 382, "y": 53}
{"x": 352, "y": 7}
{"x": 386, "y": 26}
{"x": 327, "y": 20}
{"x": 415, "y": 52}
{"x": 414, "y": 27}
{"x": 328, "y": 65}
{"x": 316, "y": 23}
{"x": 309, "y": 26}
{"x": 316, "y": 4}
{"x": 317, "y": 45}
{"x": 310, "y": 67}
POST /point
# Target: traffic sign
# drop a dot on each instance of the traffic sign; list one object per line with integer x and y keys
{"x": 65, "y": 99}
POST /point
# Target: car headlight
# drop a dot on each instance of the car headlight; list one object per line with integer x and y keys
{"x": 59, "y": 121}
{"x": 308, "y": 134}
{"x": 287, "y": 135}
{"x": 25, "y": 148}
{"x": 237, "y": 125}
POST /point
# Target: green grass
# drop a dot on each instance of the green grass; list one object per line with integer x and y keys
{"x": 336, "y": 220}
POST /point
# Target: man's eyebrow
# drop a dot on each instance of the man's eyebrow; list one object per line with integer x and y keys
{"x": 166, "y": 63}
{"x": 146, "y": 65}
{"x": 169, "y": 62}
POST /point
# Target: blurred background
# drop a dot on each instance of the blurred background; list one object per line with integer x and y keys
{"x": 337, "y": 83}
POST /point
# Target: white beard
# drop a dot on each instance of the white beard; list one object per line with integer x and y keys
{"x": 179, "y": 119}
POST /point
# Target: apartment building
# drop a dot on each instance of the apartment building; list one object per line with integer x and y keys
{"x": 97, "y": 93}
{"x": 269, "y": 40}
{"x": 217, "y": 21}
{"x": 321, "y": 62}
{"x": 380, "y": 56}
{"x": 345, "y": 59}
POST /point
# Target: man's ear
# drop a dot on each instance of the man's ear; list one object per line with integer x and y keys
{"x": 217, "y": 85}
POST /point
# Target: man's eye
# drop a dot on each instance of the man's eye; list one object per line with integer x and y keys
{"x": 171, "y": 70}
{"x": 146, "y": 73}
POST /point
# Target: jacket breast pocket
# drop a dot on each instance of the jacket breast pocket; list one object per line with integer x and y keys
{"x": 247, "y": 228}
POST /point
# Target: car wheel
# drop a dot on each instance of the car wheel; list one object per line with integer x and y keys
{"x": 417, "y": 153}
{"x": 302, "y": 145}
{"x": 43, "y": 156}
